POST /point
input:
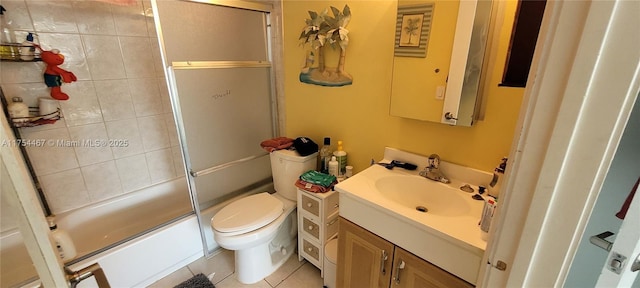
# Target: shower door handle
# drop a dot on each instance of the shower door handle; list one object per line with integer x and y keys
{"x": 94, "y": 270}
{"x": 225, "y": 165}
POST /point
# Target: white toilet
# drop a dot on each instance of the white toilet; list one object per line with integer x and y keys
{"x": 262, "y": 228}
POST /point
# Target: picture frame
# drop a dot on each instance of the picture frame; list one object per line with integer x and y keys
{"x": 413, "y": 26}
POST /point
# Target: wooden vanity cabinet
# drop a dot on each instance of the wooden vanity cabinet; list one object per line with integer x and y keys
{"x": 366, "y": 260}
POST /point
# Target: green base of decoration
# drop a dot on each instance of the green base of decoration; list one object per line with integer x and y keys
{"x": 330, "y": 77}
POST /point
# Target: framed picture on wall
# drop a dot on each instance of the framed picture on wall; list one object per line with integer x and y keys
{"x": 411, "y": 30}
{"x": 413, "y": 25}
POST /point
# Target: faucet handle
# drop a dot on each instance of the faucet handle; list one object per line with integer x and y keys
{"x": 434, "y": 161}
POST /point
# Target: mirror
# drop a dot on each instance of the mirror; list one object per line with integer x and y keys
{"x": 438, "y": 79}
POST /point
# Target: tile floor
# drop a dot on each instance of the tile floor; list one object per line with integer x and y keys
{"x": 220, "y": 269}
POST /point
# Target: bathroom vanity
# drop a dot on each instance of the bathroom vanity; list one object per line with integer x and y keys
{"x": 408, "y": 228}
{"x": 368, "y": 260}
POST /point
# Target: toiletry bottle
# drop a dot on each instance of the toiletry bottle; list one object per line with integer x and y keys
{"x": 7, "y": 37}
{"x": 341, "y": 156}
{"x": 498, "y": 175}
{"x": 18, "y": 110}
{"x": 27, "y": 50}
{"x": 334, "y": 167}
{"x": 488, "y": 211}
{"x": 325, "y": 155}
{"x": 62, "y": 240}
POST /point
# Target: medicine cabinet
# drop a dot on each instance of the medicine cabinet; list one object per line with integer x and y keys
{"x": 444, "y": 85}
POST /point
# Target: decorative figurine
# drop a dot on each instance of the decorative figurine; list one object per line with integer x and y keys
{"x": 54, "y": 76}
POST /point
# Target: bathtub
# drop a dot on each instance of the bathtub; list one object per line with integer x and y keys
{"x": 135, "y": 245}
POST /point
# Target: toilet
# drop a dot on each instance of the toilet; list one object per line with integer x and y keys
{"x": 262, "y": 228}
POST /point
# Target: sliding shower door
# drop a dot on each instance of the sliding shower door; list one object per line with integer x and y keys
{"x": 221, "y": 83}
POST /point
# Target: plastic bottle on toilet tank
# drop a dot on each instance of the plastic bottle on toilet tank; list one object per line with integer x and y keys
{"x": 341, "y": 157}
{"x": 325, "y": 155}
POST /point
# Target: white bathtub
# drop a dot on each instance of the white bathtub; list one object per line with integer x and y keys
{"x": 138, "y": 253}
{"x": 115, "y": 220}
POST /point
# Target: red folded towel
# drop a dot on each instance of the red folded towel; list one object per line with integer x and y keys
{"x": 625, "y": 207}
{"x": 276, "y": 144}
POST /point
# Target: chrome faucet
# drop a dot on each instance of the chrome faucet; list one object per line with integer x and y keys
{"x": 432, "y": 171}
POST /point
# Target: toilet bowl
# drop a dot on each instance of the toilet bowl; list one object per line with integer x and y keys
{"x": 262, "y": 228}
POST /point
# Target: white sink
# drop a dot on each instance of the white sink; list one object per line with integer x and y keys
{"x": 384, "y": 202}
{"x": 426, "y": 196}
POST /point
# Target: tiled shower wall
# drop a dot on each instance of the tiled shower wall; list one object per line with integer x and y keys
{"x": 121, "y": 94}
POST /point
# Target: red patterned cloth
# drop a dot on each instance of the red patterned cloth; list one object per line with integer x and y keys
{"x": 315, "y": 188}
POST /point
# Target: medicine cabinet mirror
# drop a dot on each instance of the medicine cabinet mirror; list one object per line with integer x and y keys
{"x": 443, "y": 84}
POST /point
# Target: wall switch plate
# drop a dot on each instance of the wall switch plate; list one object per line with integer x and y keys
{"x": 440, "y": 92}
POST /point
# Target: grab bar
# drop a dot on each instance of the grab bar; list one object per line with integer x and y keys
{"x": 601, "y": 241}
{"x": 225, "y": 165}
{"x": 94, "y": 270}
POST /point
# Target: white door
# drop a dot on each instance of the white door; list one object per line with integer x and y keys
{"x": 32, "y": 224}
{"x": 623, "y": 263}
{"x": 584, "y": 82}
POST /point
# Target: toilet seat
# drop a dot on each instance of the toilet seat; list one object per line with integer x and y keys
{"x": 247, "y": 214}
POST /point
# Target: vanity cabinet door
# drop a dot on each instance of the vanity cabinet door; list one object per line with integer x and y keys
{"x": 411, "y": 271}
{"x": 364, "y": 259}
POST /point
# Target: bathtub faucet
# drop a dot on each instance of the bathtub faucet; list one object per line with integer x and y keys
{"x": 432, "y": 171}
{"x": 94, "y": 270}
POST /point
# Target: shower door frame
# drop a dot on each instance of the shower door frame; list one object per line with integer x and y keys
{"x": 170, "y": 68}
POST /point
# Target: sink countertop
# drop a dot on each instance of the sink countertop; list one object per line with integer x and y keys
{"x": 452, "y": 242}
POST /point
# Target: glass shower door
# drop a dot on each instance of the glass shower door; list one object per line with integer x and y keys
{"x": 222, "y": 95}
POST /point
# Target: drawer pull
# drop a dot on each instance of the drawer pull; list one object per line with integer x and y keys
{"x": 309, "y": 249}
{"x": 398, "y": 268}
{"x": 332, "y": 221}
{"x": 309, "y": 205}
{"x": 383, "y": 261}
{"x": 310, "y": 227}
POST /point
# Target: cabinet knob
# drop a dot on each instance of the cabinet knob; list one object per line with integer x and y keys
{"x": 309, "y": 249}
{"x": 309, "y": 205}
{"x": 310, "y": 227}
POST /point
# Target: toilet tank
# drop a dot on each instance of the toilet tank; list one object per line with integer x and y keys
{"x": 286, "y": 167}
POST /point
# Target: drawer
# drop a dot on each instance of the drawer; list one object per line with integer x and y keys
{"x": 310, "y": 205}
{"x": 331, "y": 204}
{"x": 311, "y": 250}
{"x": 311, "y": 227}
{"x": 332, "y": 226}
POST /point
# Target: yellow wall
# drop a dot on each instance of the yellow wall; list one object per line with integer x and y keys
{"x": 359, "y": 114}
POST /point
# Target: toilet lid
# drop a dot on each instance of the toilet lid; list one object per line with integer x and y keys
{"x": 248, "y": 214}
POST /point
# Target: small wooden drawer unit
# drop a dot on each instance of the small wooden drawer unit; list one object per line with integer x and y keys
{"x": 317, "y": 223}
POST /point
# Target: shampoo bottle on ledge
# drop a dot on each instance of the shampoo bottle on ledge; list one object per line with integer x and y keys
{"x": 62, "y": 240}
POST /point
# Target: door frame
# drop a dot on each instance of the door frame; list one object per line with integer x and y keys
{"x": 583, "y": 85}
{"x": 31, "y": 221}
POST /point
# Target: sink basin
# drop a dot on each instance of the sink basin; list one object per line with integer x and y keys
{"x": 423, "y": 195}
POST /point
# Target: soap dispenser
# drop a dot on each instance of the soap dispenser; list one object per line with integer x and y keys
{"x": 498, "y": 175}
